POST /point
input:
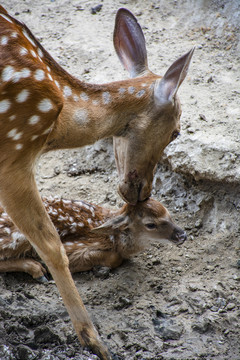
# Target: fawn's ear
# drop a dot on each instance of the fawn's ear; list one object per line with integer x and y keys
{"x": 129, "y": 43}
{"x": 167, "y": 87}
{"x": 118, "y": 223}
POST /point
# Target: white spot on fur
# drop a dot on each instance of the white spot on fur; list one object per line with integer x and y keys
{"x": 4, "y": 40}
{"x": 33, "y": 53}
{"x": 33, "y": 120}
{"x": 45, "y": 105}
{"x": 17, "y": 238}
{"x": 140, "y": 93}
{"x": 81, "y": 116}
{"x": 131, "y": 89}
{"x": 24, "y": 73}
{"x": 7, "y": 73}
{"x": 22, "y": 96}
{"x": 7, "y": 230}
{"x": 19, "y": 146}
{"x": 13, "y": 134}
{"x": 89, "y": 221}
{"x": 66, "y": 202}
{"x": 17, "y": 136}
{"x": 121, "y": 91}
{"x": 50, "y": 77}
{"x": 14, "y": 34}
{"x": 39, "y": 74}
{"x": 12, "y": 117}
{"x": 81, "y": 224}
{"x": 106, "y": 97}
{"x": 40, "y": 53}
{"x": 84, "y": 96}
{"x": 67, "y": 91}
{"x": 4, "y": 106}
{"x": 62, "y": 218}
{"x": 23, "y": 51}
{"x": 73, "y": 228}
{"x": 76, "y": 98}
{"x": 95, "y": 102}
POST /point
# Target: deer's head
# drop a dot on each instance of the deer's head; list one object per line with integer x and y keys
{"x": 140, "y": 147}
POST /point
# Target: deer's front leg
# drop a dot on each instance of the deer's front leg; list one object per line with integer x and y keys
{"x": 20, "y": 198}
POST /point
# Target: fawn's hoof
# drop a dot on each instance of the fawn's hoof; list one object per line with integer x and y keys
{"x": 42, "y": 279}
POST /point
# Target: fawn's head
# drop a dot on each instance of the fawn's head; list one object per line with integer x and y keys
{"x": 147, "y": 220}
{"x": 140, "y": 147}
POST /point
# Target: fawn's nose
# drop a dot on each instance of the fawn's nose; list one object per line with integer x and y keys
{"x": 178, "y": 236}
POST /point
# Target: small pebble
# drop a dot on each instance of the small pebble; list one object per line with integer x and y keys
{"x": 96, "y": 9}
{"x": 230, "y": 306}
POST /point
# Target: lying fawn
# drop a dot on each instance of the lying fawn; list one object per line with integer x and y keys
{"x": 44, "y": 108}
{"x": 91, "y": 235}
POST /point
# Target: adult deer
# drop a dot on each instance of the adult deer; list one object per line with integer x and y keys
{"x": 43, "y": 108}
{"x": 91, "y": 235}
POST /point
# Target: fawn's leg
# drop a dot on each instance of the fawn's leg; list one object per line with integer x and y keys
{"x": 29, "y": 266}
{"x": 85, "y": 259}
{"x": 20, "y": 198}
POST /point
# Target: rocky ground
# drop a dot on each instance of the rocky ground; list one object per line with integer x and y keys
{"x": 168, "y": 302}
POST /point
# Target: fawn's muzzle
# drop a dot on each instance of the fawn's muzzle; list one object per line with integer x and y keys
{"x": 179, "y": 236}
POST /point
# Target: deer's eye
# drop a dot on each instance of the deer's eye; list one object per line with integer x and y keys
{"x": 151, "y": 226}
{"x": 175, "y": 134}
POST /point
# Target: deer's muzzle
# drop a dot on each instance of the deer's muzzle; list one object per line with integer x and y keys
{"x": 133, "y": 189}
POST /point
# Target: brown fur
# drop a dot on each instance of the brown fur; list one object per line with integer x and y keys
{"x": 59, "y": 111}
{"x": 91, "y": 235}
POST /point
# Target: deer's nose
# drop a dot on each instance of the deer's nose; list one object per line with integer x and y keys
{"x": 179, "y": 236}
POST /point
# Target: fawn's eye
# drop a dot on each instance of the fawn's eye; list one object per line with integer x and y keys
{"x": 151, "y": 226}
{"x": 175, "y": 134}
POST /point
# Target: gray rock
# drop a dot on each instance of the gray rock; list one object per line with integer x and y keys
{"x": 202, "y": 325}
{"x": 168, "y": 328}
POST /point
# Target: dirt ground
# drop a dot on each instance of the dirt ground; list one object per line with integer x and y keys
{"x": 168, "y": 302}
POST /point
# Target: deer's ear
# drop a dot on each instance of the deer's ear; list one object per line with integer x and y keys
{"x": 118, "y": 223}
{"x": 167, "y": 87}
{"x": 129, "y": 43}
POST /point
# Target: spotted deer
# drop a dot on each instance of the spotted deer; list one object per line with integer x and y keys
{"x": 43, "y": 108}
{"x": 91, "y": 235}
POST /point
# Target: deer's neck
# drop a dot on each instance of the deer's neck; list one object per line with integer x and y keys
{"x": 93, "y": 112}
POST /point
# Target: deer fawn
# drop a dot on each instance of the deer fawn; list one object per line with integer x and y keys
{"x": 120, "y": 235}
{"x": 43, "y": 108}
